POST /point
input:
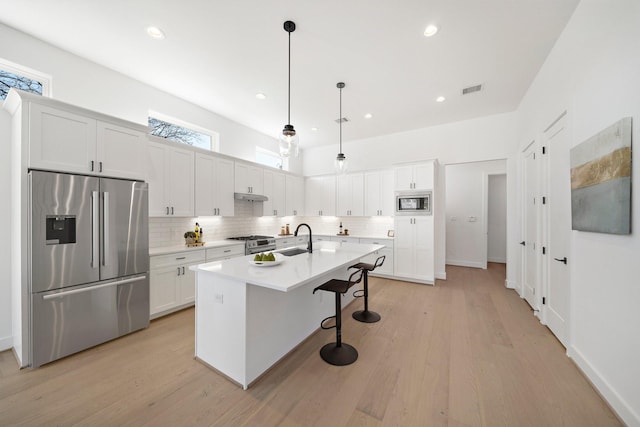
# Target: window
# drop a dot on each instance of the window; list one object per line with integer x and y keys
{"x": 179, "y": 131}
{"x": 268, "y": 158}
{"x": 19, "y": 77}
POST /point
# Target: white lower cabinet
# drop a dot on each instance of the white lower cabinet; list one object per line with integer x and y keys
{"x": 413, "y": 248}
{"x": 386, "y": 269}
{"x": 225, "y": 252}
{"x": 172, "y": 284}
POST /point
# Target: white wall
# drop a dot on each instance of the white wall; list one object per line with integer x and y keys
{"x": 593, "y": 73}
{"x": 497, "y": 219}
{"x": 86, "y": 84}
{"x": 466, "y": 211}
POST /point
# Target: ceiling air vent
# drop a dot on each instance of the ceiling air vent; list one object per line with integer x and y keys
{"x": 471, "y": 89}
{"x": 342, "y": 120}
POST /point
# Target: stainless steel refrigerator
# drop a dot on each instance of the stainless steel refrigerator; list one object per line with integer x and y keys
{"x": 88, "y": 263}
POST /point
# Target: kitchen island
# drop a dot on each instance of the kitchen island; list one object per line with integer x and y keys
{"x": 248, "y": 317}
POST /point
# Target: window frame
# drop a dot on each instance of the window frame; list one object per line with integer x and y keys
{"x": 215, "y": 136}
{"x": 44, "y": 79}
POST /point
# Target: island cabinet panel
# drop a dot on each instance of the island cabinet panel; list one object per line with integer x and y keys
{"x": 172, "y": 284}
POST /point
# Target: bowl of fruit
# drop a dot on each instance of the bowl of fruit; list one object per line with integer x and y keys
{"x": 266, "y": 259}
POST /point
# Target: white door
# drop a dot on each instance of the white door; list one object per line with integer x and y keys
{"x": 403, "y": 247}
{"x": 530, "y": 226}
{"x": 557, "y": 230}
{"x": 424, "y": 255}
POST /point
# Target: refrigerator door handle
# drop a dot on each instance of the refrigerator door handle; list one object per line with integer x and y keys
{"x": 105, "y": 229}
{"x": 93, "y": 288}
{"x": 95, "y": 222}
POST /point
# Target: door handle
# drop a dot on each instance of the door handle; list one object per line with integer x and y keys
{"x": 563, "y": 260}
{"x": 523, "y": 243}
{"x": 95, "y": 228}
{"x": 105, "y": 228}
{"x": 178, "y": 271}
{"x": 183, "y": 271}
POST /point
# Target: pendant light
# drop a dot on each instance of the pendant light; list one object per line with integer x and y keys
{"x": 288, "y": 140}
{"x": 341, "y": 160}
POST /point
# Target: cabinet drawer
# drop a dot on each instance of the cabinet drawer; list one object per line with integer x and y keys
{"x": 345, "y": 239}
{"x": 386, "y": 242}
{"x": 179, "y": 258}
{"x": 225, "y": 252}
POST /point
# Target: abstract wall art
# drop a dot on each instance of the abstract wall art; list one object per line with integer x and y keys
{"x": 601, "y": 181}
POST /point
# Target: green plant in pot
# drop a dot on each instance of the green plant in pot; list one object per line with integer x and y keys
{"x": 190, "y": 237}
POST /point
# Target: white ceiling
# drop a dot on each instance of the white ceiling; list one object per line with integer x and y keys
{"x": 219, "y": 54}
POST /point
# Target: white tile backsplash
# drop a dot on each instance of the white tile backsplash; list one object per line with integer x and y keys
{"x": 170, "y": 231}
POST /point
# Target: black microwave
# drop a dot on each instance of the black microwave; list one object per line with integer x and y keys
{"x": 413, "y": 203}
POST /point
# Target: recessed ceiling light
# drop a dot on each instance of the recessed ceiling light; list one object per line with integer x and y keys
{"x": 440, "y": 99}
{"x": 155, "y": 33}
{"x": 261, "y": 95}
{"x": 368, "y": 116}
{"x": 314, "y": 129}
{"x": 430, "y": 30}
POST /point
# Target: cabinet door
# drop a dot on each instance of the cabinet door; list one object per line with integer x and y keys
{"x": 424, "y": 253}
{"x": 248, "y": 179}
{"x": 121, "y": 152}
{"x": 163, "y": 289}
{"x": 423, "y": 176}
{"x": 350, "y": 195}
{"x": 61, "y": 141}
{"x": 327, "y": 196}
{"x": 294, "y": 195}
{"x": 274, "y": 189}
{"x": 156, "y": 174}
{"x": 224, "y": 199}
{"x": 187, "y": 284}
{"x": 256, "y": 175}
{"x": 313, "y": 194}
{"x": 205, "y": 178}
{"x": 404, "y": 260}
{"x": 404, "y": 178}
{"x": 387, "y": 194}
{"x": 372, "y": 193}
{"x": 179, "y": 181}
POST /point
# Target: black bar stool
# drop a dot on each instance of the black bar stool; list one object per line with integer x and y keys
{"x": 366, "y": 315}
{"x": 338, "y": 353}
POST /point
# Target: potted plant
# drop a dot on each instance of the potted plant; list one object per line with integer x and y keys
{"x": 190, "y": 237}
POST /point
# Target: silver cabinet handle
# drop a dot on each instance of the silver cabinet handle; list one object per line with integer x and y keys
{"x": 95, "y": 231}
{"x": 171, "y": 210}
{"x": 228, "y": 250}
{"x": 100, "y": 163}
{"x": 183, "y": 271}
{"x": 91, "y": 165}
{"x": 167, "y": 210}
{"x": 93, "y": 288}
{"x": 105, "y": 228}
{"x": 178, "y": 271}
{"x": 182, "y": 257}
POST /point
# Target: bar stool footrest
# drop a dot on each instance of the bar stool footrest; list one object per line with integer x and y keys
{"x": 324, "y": 320}
{"x": 366, "y": 316}
{"x": 338, "y": 356}
{"x": 358, "y": 293}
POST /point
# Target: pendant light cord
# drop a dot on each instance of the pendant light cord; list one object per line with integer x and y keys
{"x": 289, "y": 85}
{"x": 340, "y": 119}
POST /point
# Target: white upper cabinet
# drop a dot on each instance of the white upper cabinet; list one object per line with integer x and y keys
{"x": 320, "y": 196}
{"x": 214, "y": 186}
{"x": 66, "y": 141}
{"x": 379, "y": 193}
{"x": 350, "y": 195}
{"x": 248, "y": 178}
{"x": 294, "y": 195}
{"x": 170, "y": 174}
{"x": 415, "y": 177}
{"x": 275, "y": 190}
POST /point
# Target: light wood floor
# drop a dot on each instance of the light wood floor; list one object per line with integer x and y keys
{"x": 467, "y": 352}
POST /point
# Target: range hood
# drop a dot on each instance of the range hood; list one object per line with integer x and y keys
{"x": 250, "y": 197}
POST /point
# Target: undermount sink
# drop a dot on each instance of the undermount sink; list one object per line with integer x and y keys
{"x": 294, "y": 251}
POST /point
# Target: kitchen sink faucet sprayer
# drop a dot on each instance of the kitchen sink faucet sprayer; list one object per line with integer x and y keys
{"x": 310, "y": 245}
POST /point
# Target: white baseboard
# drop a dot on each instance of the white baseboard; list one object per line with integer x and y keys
{"x": 6, "y": 343}
{"x": 510, "y": 284}
{"x": 626, "y": 413}
{"x": 442, "y": 275}
{"x": 463, "y": 263}
{"x": 501, "y": 260}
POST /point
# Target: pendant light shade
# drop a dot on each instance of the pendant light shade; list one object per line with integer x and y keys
{"x": 341, "y": 161}
{"x": 288, "y": 140}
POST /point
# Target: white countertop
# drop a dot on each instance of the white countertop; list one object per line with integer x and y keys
{"x": 294, "y": 271}
{"x": 184, "y": 248}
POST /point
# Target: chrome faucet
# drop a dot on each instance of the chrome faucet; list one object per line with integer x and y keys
{"x": 310, "y": 245}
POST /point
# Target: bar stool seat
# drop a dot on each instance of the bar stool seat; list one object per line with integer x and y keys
{"x": 366, "y": 315}
{"x": 338, "y": 353}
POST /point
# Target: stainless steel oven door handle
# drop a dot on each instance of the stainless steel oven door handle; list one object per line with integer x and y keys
{"x": 95, "y": 230}
{"x": 93, "y": 288}
{"x": 105, "y": 229}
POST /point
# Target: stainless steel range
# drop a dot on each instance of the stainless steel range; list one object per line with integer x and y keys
{"x": 256, "y": 244}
